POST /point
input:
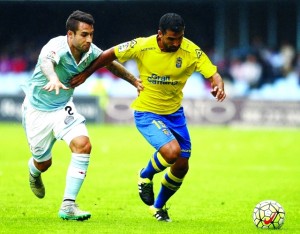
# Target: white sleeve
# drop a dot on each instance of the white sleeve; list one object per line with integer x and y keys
{"x": 50, "y": 51}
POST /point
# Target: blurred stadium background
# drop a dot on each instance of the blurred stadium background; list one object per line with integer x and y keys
{"x": 254, "y": 43}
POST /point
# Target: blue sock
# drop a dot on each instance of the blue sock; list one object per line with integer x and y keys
{"x": 169, "y": 185}
{"x": 76, "y": 175}
{"x": 155, "y": 165}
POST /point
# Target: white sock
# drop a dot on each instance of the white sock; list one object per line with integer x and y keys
{"x": 75, "y": 175}
{"x": 32, "y": 168}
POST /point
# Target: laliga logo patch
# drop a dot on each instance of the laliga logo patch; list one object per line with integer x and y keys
{"x": 178, "y": 62}
{"x": 126, "y": 45}
{"x": 123, "y": 47}
{"x": 133, "y": 43}
{"x": 68, "y": 119}
{"x": 51, "y": 55}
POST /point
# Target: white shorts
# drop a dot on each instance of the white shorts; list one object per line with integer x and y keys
{"x": 43, "y": 128}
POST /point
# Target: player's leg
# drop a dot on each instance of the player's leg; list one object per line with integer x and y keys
{"x": 35, "y": 178}
{"x": 68, "y": 125}
{"x": 171, "y": 182}
{"x": 157, "y": 134}
{"x": 79, "y": 143}
{"x": 156, "y": 164}
{"x": 40, "y": 139}
{"x": 173, "y": 178}
{"x": 163, "y": 158}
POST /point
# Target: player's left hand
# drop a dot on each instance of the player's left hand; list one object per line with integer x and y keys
{"x": 218, "y": 93}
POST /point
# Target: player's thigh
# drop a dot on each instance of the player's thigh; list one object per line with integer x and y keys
{"x": 78, "y": 139}
{"x": 38, "y": 128}
{"x": 183, "y": 138}
{"x": 154, "y": 130}
{"x": 66, "y": 119}
{"x": 178, "y": 127}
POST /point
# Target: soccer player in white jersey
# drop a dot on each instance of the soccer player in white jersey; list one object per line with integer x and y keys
{"x": 165, "y": 61}
{"x": 49, "y": 113}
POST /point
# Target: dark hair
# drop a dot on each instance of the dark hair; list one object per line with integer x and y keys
{"x": 76, "y": 17}
{"x": 171, "y": 21}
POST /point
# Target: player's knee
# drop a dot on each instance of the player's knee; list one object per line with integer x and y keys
{"x": 172, "y": 154}
{"x": 81, "y": 145}
{"x": 175, "y": 154}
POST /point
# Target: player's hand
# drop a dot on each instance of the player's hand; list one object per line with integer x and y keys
{"x": 54, "y": 85}
{"x": 78, "y": 80}
{"x": 139, "y": 86}
{"x": 218, "y": 93}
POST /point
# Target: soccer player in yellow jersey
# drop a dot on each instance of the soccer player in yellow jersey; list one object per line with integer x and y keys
{"x": 165, "y": 61}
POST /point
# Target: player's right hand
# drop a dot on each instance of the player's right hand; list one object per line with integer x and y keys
{"x": 139, "y": 86}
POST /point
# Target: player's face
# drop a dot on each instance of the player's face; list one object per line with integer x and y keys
{"x": 170, "y": 41}
{"x": 81, "y": 40}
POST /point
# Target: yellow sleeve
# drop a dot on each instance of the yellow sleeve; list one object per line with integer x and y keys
{"x": 126, "y": 50}
{"x": 205, "y": 66}
{"x": 199, "y": 59}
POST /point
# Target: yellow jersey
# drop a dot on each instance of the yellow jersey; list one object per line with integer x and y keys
{"x": 163, "y": 74}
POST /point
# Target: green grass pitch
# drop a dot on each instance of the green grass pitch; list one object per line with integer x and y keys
{"x": 231, "y": 170}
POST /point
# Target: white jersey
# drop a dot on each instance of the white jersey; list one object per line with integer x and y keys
{"x": 58, "y": 50}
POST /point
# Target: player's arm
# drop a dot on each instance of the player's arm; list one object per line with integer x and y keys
{"x": 120, "y": 71}
{"x": 107, "y": 59}
{"x": 104, "y": 59}
{"x": 217, "y": 87}
{"x": 47, "y": 67}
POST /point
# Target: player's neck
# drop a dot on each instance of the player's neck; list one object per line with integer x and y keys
{"x": 76, "y": 54}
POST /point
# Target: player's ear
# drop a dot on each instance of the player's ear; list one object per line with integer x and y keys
{"x": 70, "y": 33}
{"x": 159, "y": 33}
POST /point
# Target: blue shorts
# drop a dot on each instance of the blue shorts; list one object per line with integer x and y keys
{"x": 161, "y": 129}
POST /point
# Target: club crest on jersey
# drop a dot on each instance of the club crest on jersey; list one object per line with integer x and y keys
{"x": 69, "y": 119}
{"x": 178, "y": 62}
